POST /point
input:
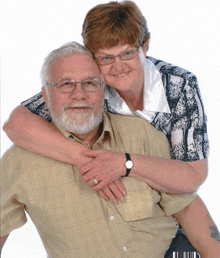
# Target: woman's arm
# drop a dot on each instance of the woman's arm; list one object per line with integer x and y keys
{"x": 36, "y": 134}
{"x": 3, "y": 240}
{"x": 166, "y": 175}
{"x": 200, "y": 228}
{"x": 42, "y": 137}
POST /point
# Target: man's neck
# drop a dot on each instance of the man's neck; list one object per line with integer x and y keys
{"x": 91, "y": 137}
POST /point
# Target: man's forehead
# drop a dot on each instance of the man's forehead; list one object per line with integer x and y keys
{"x": 79, "y": 64}
{"x": 76, "y": 59}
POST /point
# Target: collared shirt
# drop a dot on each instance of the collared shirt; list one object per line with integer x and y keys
{"x": 154, "y": 98}
{"x": 176, "y": 109}
{"x": 72, "y": 219}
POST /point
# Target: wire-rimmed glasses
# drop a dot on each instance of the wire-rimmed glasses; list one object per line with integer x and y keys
{"x": 125, "y": 55}
{"x": 69, "y": 85}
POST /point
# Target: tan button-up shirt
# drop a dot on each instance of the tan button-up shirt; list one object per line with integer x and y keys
{"x": 72, "y": 219}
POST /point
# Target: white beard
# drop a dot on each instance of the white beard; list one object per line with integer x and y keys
{"x": 76, "y": 122}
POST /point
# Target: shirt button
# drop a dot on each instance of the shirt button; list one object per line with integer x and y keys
{"x": 112, "y": 217}
{"x": 125, "y": 248}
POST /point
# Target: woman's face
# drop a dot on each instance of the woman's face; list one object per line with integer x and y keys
{"x": 123, "y": 75}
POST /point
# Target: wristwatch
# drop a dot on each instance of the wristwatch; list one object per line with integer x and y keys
{"x": 128, "y": 164}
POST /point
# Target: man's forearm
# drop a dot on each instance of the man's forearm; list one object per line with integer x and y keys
{"x": 200, "y": 229}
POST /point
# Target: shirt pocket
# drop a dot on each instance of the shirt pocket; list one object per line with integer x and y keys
{"x": 141, "y": 201}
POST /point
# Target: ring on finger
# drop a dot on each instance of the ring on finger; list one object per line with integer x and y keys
{"x": 95, "y": 181}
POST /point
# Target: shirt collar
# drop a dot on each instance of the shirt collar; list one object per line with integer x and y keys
{"x": 154, "y": 95}
{"x": 107, "y": 130}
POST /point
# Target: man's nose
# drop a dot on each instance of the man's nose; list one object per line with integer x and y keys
{"x": 78, "y": 92}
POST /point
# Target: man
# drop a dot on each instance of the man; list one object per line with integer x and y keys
{"x": 71, "y": 218}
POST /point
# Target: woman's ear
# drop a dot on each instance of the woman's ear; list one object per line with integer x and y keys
{"x": 145, "y": 46}
{"x": 44, "y": 92}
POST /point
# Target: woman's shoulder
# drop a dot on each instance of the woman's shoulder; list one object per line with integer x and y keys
{"x": 178, "y": 82}
{"x": 174, "y": 70}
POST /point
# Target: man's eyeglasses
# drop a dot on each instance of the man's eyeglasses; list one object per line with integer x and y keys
{"x": 125, "y": 55}
{"x": 68, "y": 85}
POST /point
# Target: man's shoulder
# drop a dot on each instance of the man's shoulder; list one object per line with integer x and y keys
{"x": 17, "y": 156}
{"x": 133, "y": 125}
{"x": 127, "y": 120}
{"x": 166, "y": 68}
{"x": 13, "y": 153}
{"x": 16, "y": 152}
{"x": 138, "y": 136}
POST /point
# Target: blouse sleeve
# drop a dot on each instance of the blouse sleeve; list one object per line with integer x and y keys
{"x": 36, "y": 105}
{"x": 186, "y": 126}
{"x": 189, "y": 122}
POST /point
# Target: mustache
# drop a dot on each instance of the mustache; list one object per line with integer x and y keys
{"x": 75, "y": 105}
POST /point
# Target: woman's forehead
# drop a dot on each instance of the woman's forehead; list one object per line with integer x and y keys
{"x": 114, "y": 50}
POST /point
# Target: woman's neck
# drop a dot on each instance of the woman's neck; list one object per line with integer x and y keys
{"x": 133, "y": 99}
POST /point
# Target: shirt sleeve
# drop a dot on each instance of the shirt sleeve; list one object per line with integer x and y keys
{"x": 12, "y": 209}
{"x": 37, "y": 106}
{"x": 172, "y": 203}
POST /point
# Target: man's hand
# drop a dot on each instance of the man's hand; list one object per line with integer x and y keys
{"x": 106, "y": 167}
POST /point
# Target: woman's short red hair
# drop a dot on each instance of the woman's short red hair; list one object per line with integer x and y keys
{"x": 106, "y": 25}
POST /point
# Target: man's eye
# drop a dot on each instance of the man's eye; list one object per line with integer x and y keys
{"x": 66, "y": 84}
{"x": 89, "y": 82}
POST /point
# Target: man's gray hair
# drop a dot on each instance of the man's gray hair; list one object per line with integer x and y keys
{"x": 67, "y": 49}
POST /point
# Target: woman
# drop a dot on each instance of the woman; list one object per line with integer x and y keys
{"x": 166, "y": 96}
{"x": 179, "y": 114}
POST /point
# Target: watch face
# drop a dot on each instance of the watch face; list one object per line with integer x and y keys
{"x": 129, "y": 164}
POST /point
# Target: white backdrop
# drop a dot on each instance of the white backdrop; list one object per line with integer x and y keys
{"x": 184, "y": 33}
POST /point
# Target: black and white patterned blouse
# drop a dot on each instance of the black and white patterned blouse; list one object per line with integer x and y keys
{"x": 184, "y": 124}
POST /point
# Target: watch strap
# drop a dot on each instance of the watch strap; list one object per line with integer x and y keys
{"x": 128, "y": 170}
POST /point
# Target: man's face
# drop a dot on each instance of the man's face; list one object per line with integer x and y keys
{"x": 77, "y": 111}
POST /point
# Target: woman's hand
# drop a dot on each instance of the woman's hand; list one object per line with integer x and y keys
{"x": 114, "y": 191}
{"x": 106, "y": 167}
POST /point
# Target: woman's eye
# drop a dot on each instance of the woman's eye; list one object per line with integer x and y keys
{"x": 106, "y": 58}
{"x": 127, "y": 53}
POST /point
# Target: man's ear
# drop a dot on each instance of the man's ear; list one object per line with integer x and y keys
{"x": 45, "y": 95}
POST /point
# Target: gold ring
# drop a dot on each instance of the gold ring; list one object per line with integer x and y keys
{"x": 95, "y": 181}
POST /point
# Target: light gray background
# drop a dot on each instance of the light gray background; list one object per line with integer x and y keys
{"x": 184, "y": 33}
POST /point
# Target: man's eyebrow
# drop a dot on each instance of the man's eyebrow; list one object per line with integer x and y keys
{"x": 65, "y": 78}
{"x": 90, "y": 77}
